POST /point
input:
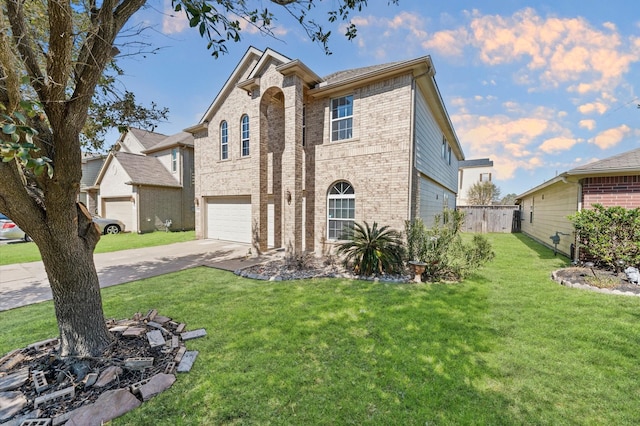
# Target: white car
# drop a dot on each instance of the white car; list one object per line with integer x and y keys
{"x": 10, "y": 231}
{"x": 108, "y": 226}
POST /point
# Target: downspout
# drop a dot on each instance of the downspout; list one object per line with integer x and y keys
{"x": 411, "y": 148}
{"x": 576, "y": 253}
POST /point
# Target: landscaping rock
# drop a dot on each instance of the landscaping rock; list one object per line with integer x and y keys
{"x": 157, "y": 384}
{"x": 11, "y": 403}
{"x": 14, "y": 380}
{"x": 107, "y": 376}
{"x": 108, "y": 406}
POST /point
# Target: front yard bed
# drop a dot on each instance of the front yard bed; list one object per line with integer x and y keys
{"x": 506, "y": 346}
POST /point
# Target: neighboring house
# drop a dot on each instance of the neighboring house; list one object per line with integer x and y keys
{"x": 471, "y": 172}
{"x": 285, "y": 158}
{"x": 147, "y": 180}
{"x": 91, "y": 165}
{"x": 614, "y": 181}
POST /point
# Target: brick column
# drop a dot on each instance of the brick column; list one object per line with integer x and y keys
{"x": 292, "y": 166}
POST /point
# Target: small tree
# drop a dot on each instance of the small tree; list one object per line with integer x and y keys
{"x": 483, "y": 194}
{"x": 372, "y": 250}
{"x": 508, "y": 200}
{"x": 442, "y": 249}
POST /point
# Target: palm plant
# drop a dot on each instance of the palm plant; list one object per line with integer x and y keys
{"x": 372, "y": 250}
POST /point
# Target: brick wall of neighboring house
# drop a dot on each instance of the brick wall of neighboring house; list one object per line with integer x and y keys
{"x": 623, "y": 191}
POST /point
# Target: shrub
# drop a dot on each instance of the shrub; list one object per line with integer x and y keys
{"x": 609, "y": 234}
{"x": 442, "y": 249}
{"x": 372, "y": 250}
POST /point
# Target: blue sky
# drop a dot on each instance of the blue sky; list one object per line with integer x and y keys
{"x": 537, "y": 87}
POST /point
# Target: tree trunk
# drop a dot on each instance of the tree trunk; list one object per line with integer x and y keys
{"x": 76, "y": 290}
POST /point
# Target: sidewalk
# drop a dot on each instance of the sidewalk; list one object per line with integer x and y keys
{"x": 26, "y": 283}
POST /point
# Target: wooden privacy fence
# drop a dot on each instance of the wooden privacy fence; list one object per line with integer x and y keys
{"x": 484, "y": 219}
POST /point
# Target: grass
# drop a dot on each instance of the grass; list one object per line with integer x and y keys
{"x": 507, "y": 346}
{"x": 21, "y": 252}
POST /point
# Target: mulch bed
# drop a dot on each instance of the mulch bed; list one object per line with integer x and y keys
{"x": 133, "y": 359}
{"x": 596, "y": 279}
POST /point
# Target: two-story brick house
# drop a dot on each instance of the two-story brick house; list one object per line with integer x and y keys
{"x": 285, "y": 158}
{"x": 147, "y": 180}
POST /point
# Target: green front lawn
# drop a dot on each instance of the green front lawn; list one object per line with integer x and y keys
{"x": 21, "y": 252}
{"x": 507, "y": 346}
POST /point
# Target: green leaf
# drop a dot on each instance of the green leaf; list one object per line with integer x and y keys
{"x": 9, "y": 129}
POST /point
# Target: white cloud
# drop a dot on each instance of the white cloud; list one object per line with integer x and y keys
{"x": 610, "y": 137}
{"x": 593, "y": 107}
{"x": 173, "y": 22}
{"x": 558, "y": 144}
{"x": 587, "y": 124}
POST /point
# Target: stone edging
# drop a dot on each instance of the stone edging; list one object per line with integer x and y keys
{"x": 567, "y": 283}
{"x": 246, "y": 274}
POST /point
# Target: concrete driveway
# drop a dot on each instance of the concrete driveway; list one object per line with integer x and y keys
{"x": 26, "y": 283}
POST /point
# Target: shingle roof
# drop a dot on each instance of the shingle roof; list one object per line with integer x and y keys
{"x": 147, "y": 139}
{"x": 627, "y": 161}
{"x": 339, "y": 76}
{"x": 182, "y": 138}
{"x": 479, "y": 162}
{"x": 145, "y": 170}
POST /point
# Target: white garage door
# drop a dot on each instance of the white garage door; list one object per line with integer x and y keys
{"x": 229, "y": 219}
{"x": 119, "y": 208}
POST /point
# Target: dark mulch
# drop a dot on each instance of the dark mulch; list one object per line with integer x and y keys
{"x": 598, "y": 278}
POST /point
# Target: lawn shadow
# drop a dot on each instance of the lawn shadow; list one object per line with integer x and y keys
{"x": 541, "y": 250}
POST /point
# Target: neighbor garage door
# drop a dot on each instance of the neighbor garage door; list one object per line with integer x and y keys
{"x": 229, "y": 219}
{"x": 121, "y": 209}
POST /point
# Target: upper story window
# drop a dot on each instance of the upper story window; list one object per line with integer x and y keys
{"x": 485, "y": 177}
{"x": 174, "y": 160}
{"x": 342, "y": 118}
{"x": 341, "y": 208}
{"x": 244, "y": 131}
{"x": 224, "y": 140}
{"x": 449, "y": 155}
{"x": 443, "y": 152}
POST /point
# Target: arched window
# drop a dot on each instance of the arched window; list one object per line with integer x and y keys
{"x": 244, "y": 131}
{"x": 224, "y": 140}
{"x": 341, "y": 208}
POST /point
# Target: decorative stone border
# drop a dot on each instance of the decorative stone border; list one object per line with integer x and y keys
{"x": 570, "y": 284}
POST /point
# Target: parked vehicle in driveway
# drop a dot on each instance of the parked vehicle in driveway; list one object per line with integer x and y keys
{"x": 10, "y": 231}
{"x": 108, "y": 226}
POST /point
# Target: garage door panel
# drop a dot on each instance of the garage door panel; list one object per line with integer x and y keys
{"x": 229, "y": 219}
{"x": 121, "y": 209}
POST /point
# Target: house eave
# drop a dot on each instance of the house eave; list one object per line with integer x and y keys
{"x": 417, "y": 66}
{"x": 297, "y": 67}
{"x": 200, "y": 127}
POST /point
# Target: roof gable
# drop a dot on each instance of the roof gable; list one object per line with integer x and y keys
{"x": 140, "y": 169}
{"x": 251, "y": 55}
{"x": 179, "y": 139}
{"x": 145, "y": 170}
{"x": 268, "y": 56}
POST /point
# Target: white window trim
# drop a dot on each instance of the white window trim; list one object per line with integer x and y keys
{"x": 224, "y": 140}
{"x": 342, "y": 196}
{"x": 340, "y": 119}
{"x": 174, "y": 160}
{"x": 244, "y": 140}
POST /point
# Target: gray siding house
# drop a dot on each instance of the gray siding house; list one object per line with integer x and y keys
{"x": 286, "y": 158}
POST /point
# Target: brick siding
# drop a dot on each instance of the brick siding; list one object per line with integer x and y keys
{"x": 623, "y": 191}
